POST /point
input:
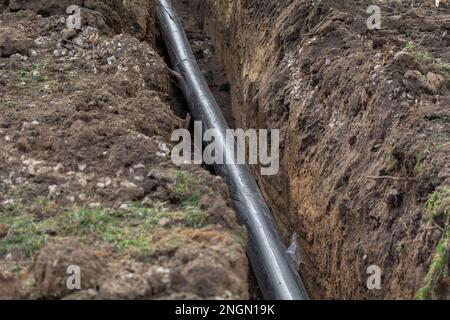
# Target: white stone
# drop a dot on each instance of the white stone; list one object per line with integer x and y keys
{"x": 52, "y": 190}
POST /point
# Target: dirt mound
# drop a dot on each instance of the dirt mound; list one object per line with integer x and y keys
{"x": 135, "y": 17}
{"x": 10, "y": 287}
{"x": 364, "y": 116}
{"x": 86, "y": 176}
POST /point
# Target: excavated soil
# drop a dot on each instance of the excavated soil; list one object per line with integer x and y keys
{"x": 364, "y": 119}
{"x": 86, "y": 177}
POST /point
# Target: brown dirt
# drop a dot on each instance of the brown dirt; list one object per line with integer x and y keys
{"x": 365, "y": 120}
{"x": 86, "y": 176}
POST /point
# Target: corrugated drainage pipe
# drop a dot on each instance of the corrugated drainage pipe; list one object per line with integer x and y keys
{"x": 267, "y": 252}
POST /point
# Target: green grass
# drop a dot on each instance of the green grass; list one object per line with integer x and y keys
{"x": 187, "y": 189}
{"x": 27, "y": 76}
{"x": 22, "y": 75}
{"x": 194, "y": 218}
{"x": 17, "y": 192}
{"x": 26, "y": 235}
{"x": 421, "y": 56}
{"x": 137, "y": 242}
{"x": 438, "y": 269}
{"x": 42, "y": 206}
{"x": 444, "y": 69}
{"x": 438, "y": 204}
{"x": 21, "y": 14}
{"x": 84, "y": 221}
{"x": 438, "y": 207}
{"x": 13, "y": 208}
{"x": 129, "y": 230}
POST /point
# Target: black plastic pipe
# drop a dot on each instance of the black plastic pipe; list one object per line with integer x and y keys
{"x": 267, "y": 252}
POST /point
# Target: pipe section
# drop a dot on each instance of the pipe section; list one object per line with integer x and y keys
{"x": 267, "y": 252}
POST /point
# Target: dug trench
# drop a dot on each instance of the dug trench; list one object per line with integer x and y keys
{"x": 85, "y": 124}
{"x": 364, "y": 119}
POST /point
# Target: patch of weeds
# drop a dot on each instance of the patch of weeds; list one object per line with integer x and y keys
{"x": 418, "y": 168}
{"x": 18, "y": 192}
{"x": 194, "y": 217}
{"x": 189, "y": 192}
{"x": 163, "y": 245}
{"x": 443, "y": 68}
{"x": 420, "y": 55}
{"x": 427, "y": 151}
{"x": 189, "y": 215}
{"x": 82, "y": 221}
{"x": 42, "y": 206}
{"x": 137, "y": 242}
{"x": 21, "y": 14}
{"x": 438, "y": 206}
{"x": 22, "y": 75}
{"x": 438, "y": 269}
{"x": 149, "y": 217}
{"x": 114, "y": 227}
{"x": 187, "y": 189}
{"x": 26, "y": 235}
{"x": 28, "y": 76}
{"x": 410, "y": 46}
{"x": 129, "y": 230}
{"x": 12, "y": 209}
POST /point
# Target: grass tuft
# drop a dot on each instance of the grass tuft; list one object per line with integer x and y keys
{"x": 438, "y": 269}
{"x": 421, "y": 56}
{"x": 438, "y": 206}
{"x": 187, "y": 189}
{"x": 130, "y": 230}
